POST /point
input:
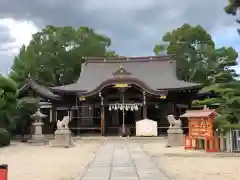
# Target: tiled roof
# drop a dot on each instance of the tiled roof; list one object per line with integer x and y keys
{"x": 199, "y": 113}
{"x": 156, "y": 72}
{"x": 41, "y": 89}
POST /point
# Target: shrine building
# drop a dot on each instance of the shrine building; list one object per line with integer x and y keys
{"x": 115, "y": 92}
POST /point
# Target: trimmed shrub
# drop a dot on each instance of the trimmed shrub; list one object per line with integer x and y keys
{"x": 4, "y": 137}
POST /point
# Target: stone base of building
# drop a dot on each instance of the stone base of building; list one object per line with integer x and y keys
{"x": 63, "y": 138}
{"x": 175, "y": 137}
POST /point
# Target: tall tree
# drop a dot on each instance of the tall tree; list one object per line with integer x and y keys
{"x": 195, "y": 53}
{"x": 199, "y": 61}
{"x": 233, "y": 8}
{"x": 228, "y": 97}
{"x": 54, "y": 55}
{"x": 227, "y": 102}
{"x": 8, "y": 101}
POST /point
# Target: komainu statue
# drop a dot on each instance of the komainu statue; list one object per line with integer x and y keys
{"x": 63, "y": 136}
{"x": 174, "y": 122}
{"x": 64, "y": 123}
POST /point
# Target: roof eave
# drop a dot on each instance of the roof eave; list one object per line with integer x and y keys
{"x": 67, "y": 91}
{"x": 23, "y": 88}
{"x": 127, "y": 80}
{"x": 29, "y": 84}
{"x": 199, "y": 86}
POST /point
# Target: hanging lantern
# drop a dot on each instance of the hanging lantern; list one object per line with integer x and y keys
{"x": 121, "y": 107}
{"x": 115, "y": 107}
{"x": 132, "y": 108}
{"x": 110, "y": 108}
{"x": 126, "y": 107}
{"x": 136, "y": 107}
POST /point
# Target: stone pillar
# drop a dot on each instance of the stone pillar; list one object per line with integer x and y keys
{"x": 228, "y": 141}
{"x": 144, "y": 106}
{"x": 222, "y": 142}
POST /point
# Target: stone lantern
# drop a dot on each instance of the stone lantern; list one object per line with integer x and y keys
{"x": 37, "y": 126}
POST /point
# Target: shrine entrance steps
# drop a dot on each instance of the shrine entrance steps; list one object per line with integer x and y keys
{"x": 122, "y": 161}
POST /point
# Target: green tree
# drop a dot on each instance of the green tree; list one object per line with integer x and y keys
{"x": 111, "y": 53}
{"x": 227, "y": 101}
{"x": 232, "y": 8}
{"x": 199, "y": 61}
{"x": 195, "y": 53}
{"x": 54, "y": 55}
{"x": 8, "y": 101}
{"x": 222, "y": 83}
{"x": 26, "y": 106}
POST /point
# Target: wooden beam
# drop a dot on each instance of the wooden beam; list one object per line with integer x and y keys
{"x": 136, "y": 96}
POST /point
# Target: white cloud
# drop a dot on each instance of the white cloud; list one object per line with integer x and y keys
{"x": 21, "y": 33}
{"x": 17, "y": 34}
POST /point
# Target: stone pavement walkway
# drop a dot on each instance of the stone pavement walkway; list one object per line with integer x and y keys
{"x": 122, "y": 161}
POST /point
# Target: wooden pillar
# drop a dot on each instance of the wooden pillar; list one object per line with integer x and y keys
{"x": 53, "y": 113}
{"x": 50, "y": 114}
{"x": 54, "y": 118}
{"x": 102, "y": 116}
{"x": 144, "y": 106}
{"x": 79, "y": 113}
{"x": 70, "y": 114}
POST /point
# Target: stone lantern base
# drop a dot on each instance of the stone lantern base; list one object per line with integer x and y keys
{"x": 37, "y": 137}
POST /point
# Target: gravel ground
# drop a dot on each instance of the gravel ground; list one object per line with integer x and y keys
{"x": 43, "y": 162}
{"x": 180, "y": 164}
{"x": 28, "y": 162}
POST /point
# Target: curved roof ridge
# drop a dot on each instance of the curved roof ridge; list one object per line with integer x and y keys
{"x": 40, "y": 89}
{"x": 127, "y": 59}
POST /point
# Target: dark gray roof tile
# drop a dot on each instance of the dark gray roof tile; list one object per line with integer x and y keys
{"x": 41, "y": 89}
{"x": 158, "y": 73}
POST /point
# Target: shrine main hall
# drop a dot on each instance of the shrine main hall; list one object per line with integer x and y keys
{"x": 115, "y": 93}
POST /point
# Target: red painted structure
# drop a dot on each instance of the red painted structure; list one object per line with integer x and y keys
{"x": 3, "y": 172}
{"x": 200, "y": 124}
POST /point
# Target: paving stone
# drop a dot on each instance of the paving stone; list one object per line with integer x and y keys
{"x": 122, "y": 161}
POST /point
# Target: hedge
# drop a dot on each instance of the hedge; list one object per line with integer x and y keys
{"x": 4, "y": 137}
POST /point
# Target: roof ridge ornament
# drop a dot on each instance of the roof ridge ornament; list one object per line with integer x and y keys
{"x": 121, "y": 71}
